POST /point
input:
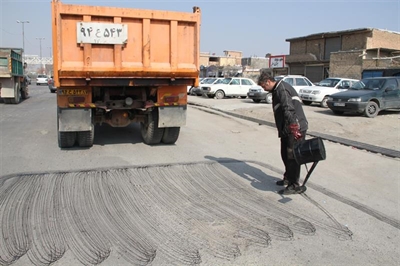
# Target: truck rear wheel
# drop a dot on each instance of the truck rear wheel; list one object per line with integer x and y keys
{"x": 17, "y": 94}
{"x": 66, "y": 139}
{"x": 149, "y": 129}
{"x": 85, "y": 138}
{"x": 171, "y": 135}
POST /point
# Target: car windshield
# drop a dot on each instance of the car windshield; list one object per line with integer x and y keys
{"x": 328, "y": 82}
{"x": 278, "y": 78}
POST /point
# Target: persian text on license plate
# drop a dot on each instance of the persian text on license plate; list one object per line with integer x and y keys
{"x": 339, "y": 104}
{"x": 73, "y": 92}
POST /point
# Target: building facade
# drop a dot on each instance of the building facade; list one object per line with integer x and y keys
{"x": 343, "y": 53}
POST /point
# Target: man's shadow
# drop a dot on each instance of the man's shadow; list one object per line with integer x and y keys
{"x": 258, "y": 179}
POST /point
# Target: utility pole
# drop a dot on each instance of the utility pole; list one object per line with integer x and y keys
{"x": 40, "y": 41}
{"x": 23, "y": 36}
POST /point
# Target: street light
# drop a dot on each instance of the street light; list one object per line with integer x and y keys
{"x": 40, "y": 40}
{"x": 23, "y": 36}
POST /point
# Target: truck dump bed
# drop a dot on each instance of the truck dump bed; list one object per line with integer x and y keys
{"x": 94, "y": 42}
{"x": 11, "y": 62}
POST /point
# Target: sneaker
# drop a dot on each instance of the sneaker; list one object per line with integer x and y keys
{"x": 291, "y": 189}
{"x": 283, "y": 182}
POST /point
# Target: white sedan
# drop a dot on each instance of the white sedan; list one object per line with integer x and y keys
{"x": 326, "y": 87}
{"x": 229, "y": 87}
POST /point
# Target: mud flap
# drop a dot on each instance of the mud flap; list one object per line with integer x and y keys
{"x": 172, "y": 116}
{"x": 75, "y": 120}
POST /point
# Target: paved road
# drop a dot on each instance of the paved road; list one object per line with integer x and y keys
{"x": 210, "y": 199}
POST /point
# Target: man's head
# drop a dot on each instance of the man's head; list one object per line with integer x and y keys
{"x": 266, "y": 81}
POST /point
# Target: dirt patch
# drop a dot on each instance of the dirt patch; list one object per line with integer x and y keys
{"x": 382, "y": 131}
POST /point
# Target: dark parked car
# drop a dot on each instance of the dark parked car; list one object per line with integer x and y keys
{"x": 50, "y": 82}
{"x": 368, "y": 97}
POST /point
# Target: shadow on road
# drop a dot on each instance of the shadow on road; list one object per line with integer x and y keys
{"x": 258, "y": 179}
{"x": 108, "y": 135}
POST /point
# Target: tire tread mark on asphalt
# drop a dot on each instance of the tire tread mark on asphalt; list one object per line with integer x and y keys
{"x": 171, "y": 213}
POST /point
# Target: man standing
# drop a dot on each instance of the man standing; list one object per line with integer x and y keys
{"x": 292, "y": 125}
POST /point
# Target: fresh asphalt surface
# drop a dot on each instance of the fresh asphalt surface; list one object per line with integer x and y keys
{"x": 210, "y": 199}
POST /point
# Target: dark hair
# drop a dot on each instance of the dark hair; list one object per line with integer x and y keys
{"x": 264, "y": 76}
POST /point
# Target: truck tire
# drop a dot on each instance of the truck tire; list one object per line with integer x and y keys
{"x": 66, "y": 139}
{"x": 85, "y": 138}
{"x": 170, "y": 135}
{"x": 24, "y": 94}
{"x": 17, "y": 94}
{"x": 149, "y": 129}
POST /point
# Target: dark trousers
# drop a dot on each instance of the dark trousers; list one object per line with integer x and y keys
{"x": 292, "y": 169}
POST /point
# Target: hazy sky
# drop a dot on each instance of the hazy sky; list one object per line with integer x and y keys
{"x": 255, "y": 27}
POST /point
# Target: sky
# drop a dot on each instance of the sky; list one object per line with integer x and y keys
{"x": 254, "y": 27}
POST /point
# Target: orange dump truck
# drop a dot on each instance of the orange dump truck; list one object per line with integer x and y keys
{"x": 119, "y": 66}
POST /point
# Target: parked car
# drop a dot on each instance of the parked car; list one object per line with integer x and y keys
{"x": 50, "y": 83}
{"x": 207, "y": 81}
{"x": 228, "y": 87}
{"x": 190, "y": 88}
{"x": 27, "y": 79}
{"x": 326, "y": 87}
{"x": 298, "y": 82}
{"x": 258, "y": 94}
{"x": 368, "y": 97}
{"x": 41, "y": 79}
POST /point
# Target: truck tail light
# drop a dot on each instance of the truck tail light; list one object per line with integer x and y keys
{"x": 171, "y": 99}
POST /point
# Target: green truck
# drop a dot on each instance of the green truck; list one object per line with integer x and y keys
{"x": 13, "y": 83}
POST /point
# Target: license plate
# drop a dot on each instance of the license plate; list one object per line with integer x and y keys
{"x": 73, "y": 92}
{"x": 304, "y": 97}
{"x": 251, "y": 94}
{"x": 339, "y": 104}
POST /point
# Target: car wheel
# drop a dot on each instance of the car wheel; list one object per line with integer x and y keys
{"x": 371, "y": 110}
{"x": 243, "y": 97}
{"x": 191, "y": 91}
{"x": 307, "y": 102}
{"x": 219, "y": 94}
{"x": 256, "y": 100}
{"x": 324, "y": 102}
{"x": 268, "y": 98}
{"x": 337, "y": 112}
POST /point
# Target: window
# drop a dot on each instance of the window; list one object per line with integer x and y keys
{"x": 391, "y": 83}
{"x": 234, "y": 82}
{"x": 246, "y": 82}
{"x": 301, "y": 82}
{"x": 289, "y": 80}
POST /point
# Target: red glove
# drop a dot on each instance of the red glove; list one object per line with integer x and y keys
{"x": 295, "y": 130}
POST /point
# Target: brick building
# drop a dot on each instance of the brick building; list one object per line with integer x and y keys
{"x": 343, "y": 53}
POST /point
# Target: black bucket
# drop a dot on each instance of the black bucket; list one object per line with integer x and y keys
{"x": 308, "y": 151}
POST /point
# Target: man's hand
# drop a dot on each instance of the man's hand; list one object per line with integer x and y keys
{"x": 295, "y": 130}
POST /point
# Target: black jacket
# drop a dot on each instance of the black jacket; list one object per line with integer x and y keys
{"x": 288, "y": 108}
